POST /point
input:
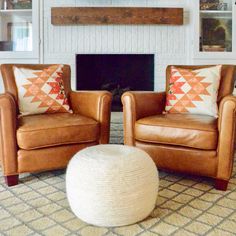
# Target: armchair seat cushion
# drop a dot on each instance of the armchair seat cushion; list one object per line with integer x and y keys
{"x": 190, "y": 130}
{"x": 46, "y": 130}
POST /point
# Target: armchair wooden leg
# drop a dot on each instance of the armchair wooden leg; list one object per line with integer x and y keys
{"x": 11, "y": 180}
{"x": 221, "y": 184}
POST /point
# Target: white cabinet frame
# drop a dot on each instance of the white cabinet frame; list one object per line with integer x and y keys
{"x": 197, "y": 54}
{"x": 35, "y": 29}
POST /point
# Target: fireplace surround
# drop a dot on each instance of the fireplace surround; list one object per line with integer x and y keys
{"x": 116, "y": 73}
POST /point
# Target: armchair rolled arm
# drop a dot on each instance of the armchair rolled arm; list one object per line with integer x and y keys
{"x": 96, "y": 105}
{"x": 137, "y": 105}
{"x": 226, "y": 126}
{"x": 8, "y": 145}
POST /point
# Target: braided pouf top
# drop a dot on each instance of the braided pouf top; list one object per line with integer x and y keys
{"x": 112, "y": 185}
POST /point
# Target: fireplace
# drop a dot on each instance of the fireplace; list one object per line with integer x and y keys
{"x": 116, "y": 73}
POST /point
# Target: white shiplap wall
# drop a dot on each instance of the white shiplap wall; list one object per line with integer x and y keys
{"x": 59, "y": 44}
{"x": 170, "y": 44}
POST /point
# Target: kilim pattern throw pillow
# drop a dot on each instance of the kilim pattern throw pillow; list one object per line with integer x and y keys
{"x": 193, "y": 91}
{"x": 41, "y": 91}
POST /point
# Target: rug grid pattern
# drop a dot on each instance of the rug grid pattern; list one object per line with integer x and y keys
{"x": 185, "y": 206}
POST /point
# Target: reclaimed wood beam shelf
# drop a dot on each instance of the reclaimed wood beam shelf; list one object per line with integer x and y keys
{"x": 116, "y": 16}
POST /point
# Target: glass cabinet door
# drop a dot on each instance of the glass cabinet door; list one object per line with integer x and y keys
{"x": 17, "y": 26}
{"x": 215, "y": 26}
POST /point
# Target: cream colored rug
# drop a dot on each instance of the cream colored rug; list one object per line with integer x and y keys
{"x": 185, "y": 206}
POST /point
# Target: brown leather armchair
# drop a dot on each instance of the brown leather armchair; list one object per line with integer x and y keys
{"x": 44, "y": 142}
{"x": 195, "y": 144}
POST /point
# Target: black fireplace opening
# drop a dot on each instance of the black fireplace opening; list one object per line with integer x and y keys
{"x": 116, "y": 73}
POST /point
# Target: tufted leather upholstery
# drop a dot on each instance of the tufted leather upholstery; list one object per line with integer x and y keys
{"x": 196, "y": 144}
{"x": 48, "y": 141}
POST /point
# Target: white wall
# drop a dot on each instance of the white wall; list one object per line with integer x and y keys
{"x": 59, "y": 44}
{"x": 170, "y": 44}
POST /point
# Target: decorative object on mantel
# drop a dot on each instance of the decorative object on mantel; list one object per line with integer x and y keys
{"x": 116, "y": 15}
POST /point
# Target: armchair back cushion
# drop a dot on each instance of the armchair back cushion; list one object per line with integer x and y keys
{"x": 10, "y": 82}
{"x": 226, "y": 82}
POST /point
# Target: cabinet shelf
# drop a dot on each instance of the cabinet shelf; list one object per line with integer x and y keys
{"x": 16, "y": 11}
{"x": 215, "y": 12}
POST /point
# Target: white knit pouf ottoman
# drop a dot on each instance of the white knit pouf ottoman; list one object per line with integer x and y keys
{"x": 112, "y": 185}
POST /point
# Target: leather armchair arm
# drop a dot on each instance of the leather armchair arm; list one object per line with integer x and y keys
{"x": 226, "y": 126}
{"x": 137, "y": 105}
{"x": 96, "y": 105}
{"x": 8, "y": 145}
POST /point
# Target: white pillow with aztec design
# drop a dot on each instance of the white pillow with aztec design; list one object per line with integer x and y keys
{"x": 41, "y": 91}
{"x": 194, "y": 91}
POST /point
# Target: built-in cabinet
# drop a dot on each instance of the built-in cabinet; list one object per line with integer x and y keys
{"x": 214, "y": 33}
{"x": 19, "y": 29}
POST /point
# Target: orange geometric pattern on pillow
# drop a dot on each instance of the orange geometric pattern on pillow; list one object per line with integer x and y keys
{"x": 41, "y": 91}
{"x": 192, "y": 90}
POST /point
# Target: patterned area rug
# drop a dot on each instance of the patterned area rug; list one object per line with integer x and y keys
{"x": 185, "y": 206}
